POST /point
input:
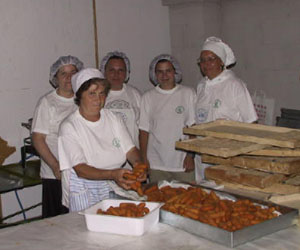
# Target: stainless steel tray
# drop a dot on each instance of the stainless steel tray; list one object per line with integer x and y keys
{"x": 232, "y": 239}
{"x": 9, "y": 182}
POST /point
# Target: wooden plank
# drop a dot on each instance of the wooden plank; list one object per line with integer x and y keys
{"x": 246, "y": 177}
{"x": 295, "y": 180}
{"x": 256, "y": 133}
{"x": 277, "y": 188}
{"x": 281, "y": 165}
{"x": 218, "y": 146}
{"x": 292, "y": 200}
{"x": 1, "y": 215}
{"x": 276, "y": 151}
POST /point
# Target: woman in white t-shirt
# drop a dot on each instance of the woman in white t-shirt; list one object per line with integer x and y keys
{"x": 220, "y": 94}
{"x": 93, "y": 144}
{"x": 123, "y": 99}
{"x": 165, "y": 111}
{"x": 50, "y": 111}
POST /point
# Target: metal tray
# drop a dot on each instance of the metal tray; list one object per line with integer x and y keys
{"x": 9, "y": 182}
{"x": 232, "y": 239}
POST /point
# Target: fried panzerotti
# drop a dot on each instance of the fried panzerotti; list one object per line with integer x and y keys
{"x": 126, "y": 209}
{"x": 208, "y": 208}
{"x": 138, "y": 171}
{"x": 162, "y": 195}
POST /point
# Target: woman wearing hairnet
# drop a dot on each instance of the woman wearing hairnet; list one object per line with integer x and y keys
{"x": 49, "y": 113}
{"x": 93, "y": 145}
{"x": 220, "y": 94}
{"x": 122, "y": 99}
{"x": 165, "y": 110}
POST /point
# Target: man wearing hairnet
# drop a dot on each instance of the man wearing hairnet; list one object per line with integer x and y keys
{"x": 123, "y": 99}
{"x": 49, "y": 113}
{"x": 165, "y": 110}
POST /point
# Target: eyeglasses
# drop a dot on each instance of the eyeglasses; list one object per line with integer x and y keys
{"x": 207, "y": 59}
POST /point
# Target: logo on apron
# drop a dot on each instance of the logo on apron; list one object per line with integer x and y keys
{"x": 202, "y": 115}
{"x": 217, "y": 103}
{"x": 116, "y": 143}
{"x": 179, "y": 109}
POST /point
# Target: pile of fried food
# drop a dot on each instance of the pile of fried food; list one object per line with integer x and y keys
{"x": 126, "y": 209}
{"x": 197, "y": 204}
{"x": 137, "y": 172}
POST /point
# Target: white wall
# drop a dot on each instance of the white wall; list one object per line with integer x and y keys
{"x": 191, "y": 22}
{"x": 265, "y": 36}
{"x": 35, "y": 33}
{"x": 140, "y": 28}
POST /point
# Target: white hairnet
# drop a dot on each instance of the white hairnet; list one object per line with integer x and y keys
{"x": 84, "y": 75}
{"x": 61, "y": 61}
{"x": 220, "y": 48}
{"x": 171, "y": 59}
{"x": 116, "y": 53}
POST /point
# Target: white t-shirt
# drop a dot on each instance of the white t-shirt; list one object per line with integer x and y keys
{"x": 102, "y": 144}
{"x": 164, "y": 113}
{"x": 224, "y": 97}
{"x": 50, "y": 111}
{"x": 126, "y": 103}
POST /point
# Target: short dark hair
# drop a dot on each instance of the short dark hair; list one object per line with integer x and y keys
{"x": 115, "y": 57}
{"x": 55, "y": 83}
{"x": 86, "y": 85}
{"x": 162, "y": 61}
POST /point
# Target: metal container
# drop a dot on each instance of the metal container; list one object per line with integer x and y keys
{"x": 232, "y": 239}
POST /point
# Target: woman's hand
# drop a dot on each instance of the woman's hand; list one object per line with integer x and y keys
{"x": 189, "y": 162}
{"x": 57, "y": 174}
{"x": 146, "y": 162}
{"x": 39, "y": 143}
{"x": 118, "y": 177}
{"x": 142, "y": 169}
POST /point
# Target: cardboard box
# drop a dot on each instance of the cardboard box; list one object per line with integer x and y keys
{"x": 5, "y": 150}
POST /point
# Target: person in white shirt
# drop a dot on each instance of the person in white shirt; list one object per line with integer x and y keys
{"x": 93, "y": 144}
{"x": 165, "y": 111}
{"x": 123, "y": 99}
{"x": 220, "y": 93}
{"x": 49, "y": 113}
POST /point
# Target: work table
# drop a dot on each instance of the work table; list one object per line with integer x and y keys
{"x": 19, "y": 181}
{"x": 69, "y": 232}
{"x": 14, "y": 176}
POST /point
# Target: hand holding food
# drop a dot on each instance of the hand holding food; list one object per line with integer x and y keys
{"x": 121, "y": 180}
{"x": 139, "y": 174}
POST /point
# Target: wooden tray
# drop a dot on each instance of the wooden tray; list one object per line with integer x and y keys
{"x": 257, "y": 133}
{"x": 218, "y": 146}
{"x": 281, "y": 165}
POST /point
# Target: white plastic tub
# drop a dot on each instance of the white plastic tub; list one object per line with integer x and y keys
{"x": 120, "y": 225}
